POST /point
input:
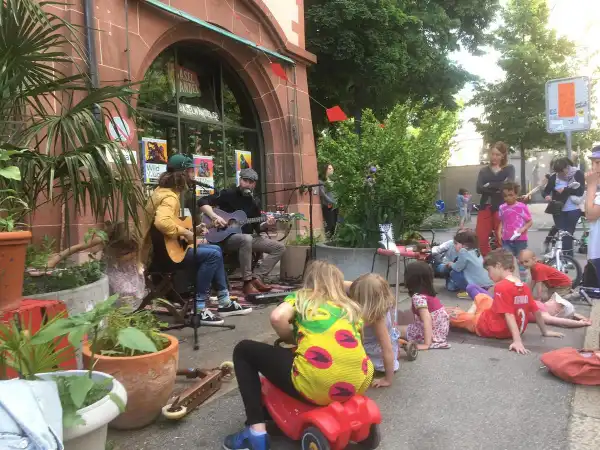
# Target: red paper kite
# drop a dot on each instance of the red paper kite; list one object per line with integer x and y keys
{"x": 279, "y": 71}
{"x": 382, "y": 125}
{"x": 336, "y": 114}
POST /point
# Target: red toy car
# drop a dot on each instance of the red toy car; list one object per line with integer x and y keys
{"x": 330, "y": 427}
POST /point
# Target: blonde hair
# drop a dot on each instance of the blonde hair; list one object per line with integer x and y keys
{"x": 373, "y": 293}
{"x": 324, "y": 282}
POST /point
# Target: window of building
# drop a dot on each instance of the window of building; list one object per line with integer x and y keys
{"x": 196, "y": 103}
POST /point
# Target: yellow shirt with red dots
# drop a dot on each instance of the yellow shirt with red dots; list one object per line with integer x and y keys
{"x": 330, "y": 363}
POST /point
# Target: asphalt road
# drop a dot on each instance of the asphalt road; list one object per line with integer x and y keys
{"x": 476, "y": 395}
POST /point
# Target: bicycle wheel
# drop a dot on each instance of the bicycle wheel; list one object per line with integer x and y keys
{"x": 571, "y": 267}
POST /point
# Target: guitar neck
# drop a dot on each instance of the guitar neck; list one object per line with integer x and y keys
{"x": 256, "y": 219}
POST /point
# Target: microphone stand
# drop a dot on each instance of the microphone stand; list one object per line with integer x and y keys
{"x": 195, "y": 319}
{"x": 302, "y": 189}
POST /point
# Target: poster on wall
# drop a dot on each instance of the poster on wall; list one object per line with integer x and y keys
{"x": 204, "y": 173}
{"x": 243, "y": 160}
{"x": 154, "y": 154}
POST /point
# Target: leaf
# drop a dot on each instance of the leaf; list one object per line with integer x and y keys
{"x": 52, "y": 331}
{"x": 134, "y": 339}
{"x": 79, "y": 386}
{"x": 10, "y": 172}
{"x": 76, "y": 336}
{"x": 118, "y": 401}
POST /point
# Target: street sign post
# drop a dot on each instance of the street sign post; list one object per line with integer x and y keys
{"x": 568, "y": 107}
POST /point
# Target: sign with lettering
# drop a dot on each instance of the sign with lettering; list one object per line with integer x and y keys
{"x": 188, "y": 83}
{"x": 568, "y": 105}
{"x": 197, "y": 112}
{"x": 154, "y": 153}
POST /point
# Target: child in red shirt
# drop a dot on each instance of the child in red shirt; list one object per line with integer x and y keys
{"x": 504, "y": 316}
{"x": 543, "y": 275}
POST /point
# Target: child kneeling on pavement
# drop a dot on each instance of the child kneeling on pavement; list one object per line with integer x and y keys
{"x": 506, "y": 315}
{"x": 330, "y": 363}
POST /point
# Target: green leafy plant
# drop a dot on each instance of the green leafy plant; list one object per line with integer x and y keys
{"x": 25, "y": 357}
{"x": 69, "y": 277}
{"x": 53, "y": 119}
{"x": 12, "y": 208}
{"x": 388, "y": 174}
{"x": 304, "y": 238}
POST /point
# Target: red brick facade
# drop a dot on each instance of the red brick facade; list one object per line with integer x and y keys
{"x": 289, "y": 148}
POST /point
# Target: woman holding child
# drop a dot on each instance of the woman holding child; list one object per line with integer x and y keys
{"x": 564, "y": 191}
{"x": 489, "y": 184}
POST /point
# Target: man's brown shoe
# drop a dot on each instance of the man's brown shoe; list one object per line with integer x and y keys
{"x": 262, "y": 287}
{"x": 249, "y": 288}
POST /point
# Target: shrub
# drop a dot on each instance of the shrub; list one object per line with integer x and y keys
{"x": 388, "y": 175}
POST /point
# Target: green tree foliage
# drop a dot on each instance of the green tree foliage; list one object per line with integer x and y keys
{"x": 377, "y": 53}
{"x": 531, "y": 55}
{"x": 391, "y": 174}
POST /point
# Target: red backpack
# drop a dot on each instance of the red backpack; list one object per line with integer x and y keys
{"x": 575, "y": 366}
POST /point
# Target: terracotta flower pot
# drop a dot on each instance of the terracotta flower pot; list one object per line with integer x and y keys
{"x": 13, "y": 247}
{"x": 149, "y": 381}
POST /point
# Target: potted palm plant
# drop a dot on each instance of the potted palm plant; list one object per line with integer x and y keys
{"x": 13, "y": 239}
{"x": 53, "y": 121}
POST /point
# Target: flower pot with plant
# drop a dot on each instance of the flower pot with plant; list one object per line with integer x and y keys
{"x": 71, "y": 164}
{"x": 89, "y": 399}
{"x": 13, "y": 239}
{"x": 131, "y": 348}
{"x": 297, "y": 252}
{"x": 384, "y": 175}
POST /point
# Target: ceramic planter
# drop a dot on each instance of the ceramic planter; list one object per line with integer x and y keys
{"x": 293, "y": 261}
{"x": 149, "y": 381}
{"x": 91, "y": 435}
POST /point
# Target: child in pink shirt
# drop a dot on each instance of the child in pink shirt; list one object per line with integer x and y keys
{"x": 515, "y": 220}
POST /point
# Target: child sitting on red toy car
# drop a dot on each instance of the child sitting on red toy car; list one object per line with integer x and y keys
{"x": 329, "y": 364}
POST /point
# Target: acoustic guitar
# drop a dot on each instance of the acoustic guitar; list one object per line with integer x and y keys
{"x": 177, "y": 247}
{"x": 235, "y": 222}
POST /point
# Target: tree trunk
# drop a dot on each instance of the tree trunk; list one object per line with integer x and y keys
{"x": 523, "y": 169}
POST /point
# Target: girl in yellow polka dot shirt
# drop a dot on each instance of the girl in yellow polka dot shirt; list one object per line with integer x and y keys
{"x": 329, "y": 363}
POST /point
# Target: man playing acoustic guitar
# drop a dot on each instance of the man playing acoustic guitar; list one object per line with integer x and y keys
{"x": 240, "y": 198}
{"x": 169, "y": 238}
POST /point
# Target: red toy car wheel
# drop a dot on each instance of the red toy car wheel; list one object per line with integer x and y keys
{"x": 313, "y": 439}
{"x": 374, "y": 438}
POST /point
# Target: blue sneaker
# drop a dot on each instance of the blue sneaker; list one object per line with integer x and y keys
{"x": 247, "y": 440}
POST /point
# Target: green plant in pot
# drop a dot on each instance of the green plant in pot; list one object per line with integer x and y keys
{"x": 13, "y": 238}
{"x": 130, "y": 346}
{"x": 55, "y": 148}
{"x": 297, "y": 251}
{"x": 90, "y": 399}
{"x": 386, "y": 175}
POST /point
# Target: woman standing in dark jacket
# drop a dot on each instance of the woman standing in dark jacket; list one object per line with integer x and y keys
{"x": 567, "y": 181}
{"x": 489, "y": 184}
{"x": 328, "y": 201}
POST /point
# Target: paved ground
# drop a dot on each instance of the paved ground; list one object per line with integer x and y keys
{"x": 475, "y": 395}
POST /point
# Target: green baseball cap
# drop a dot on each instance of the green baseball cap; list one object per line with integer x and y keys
{"x": 179, "y": 162}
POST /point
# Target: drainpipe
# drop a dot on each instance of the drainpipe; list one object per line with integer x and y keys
{"x": 90, "y": 46}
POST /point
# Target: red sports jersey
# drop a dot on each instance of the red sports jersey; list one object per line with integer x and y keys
{"x": 511, "y": 298}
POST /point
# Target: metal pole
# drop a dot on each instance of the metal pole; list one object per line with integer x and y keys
{"x": 569, "y": 143}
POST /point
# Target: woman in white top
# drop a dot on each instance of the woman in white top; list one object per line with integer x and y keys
{"x": 592, "y": 209}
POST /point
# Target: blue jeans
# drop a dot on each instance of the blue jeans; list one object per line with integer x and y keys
{"x": 209, "y": 270}
{"x": 456, "y": 281}
{"x": 515, "y": 247}
{"x": 442, "y": 269}
{"x": 567, "y": 221}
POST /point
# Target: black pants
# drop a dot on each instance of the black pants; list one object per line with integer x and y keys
{"x": 275, "y": 363}
{"x": 330, "y": 216}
